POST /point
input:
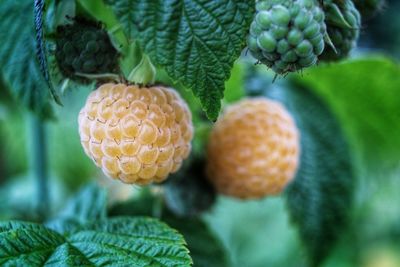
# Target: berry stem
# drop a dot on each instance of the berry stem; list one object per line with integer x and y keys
{"x": 39, "y": 165}
{"x": 106, "y": 76}
{"x": 158, "y": 204}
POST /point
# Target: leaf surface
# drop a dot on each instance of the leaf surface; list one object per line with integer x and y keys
{"x": 119, "y": 241}
{"x": 87, "y": 205}
{"x": 205, "y": 248}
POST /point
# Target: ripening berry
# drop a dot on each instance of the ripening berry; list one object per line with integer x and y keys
{"x": 138, "y": 135}
{"x": 253, "y": 149}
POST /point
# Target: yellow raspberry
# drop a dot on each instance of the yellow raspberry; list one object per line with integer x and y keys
{"x": 137, "y": 135}
{"x": 253, "y": 149}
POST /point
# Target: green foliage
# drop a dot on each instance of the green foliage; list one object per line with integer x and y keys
{"x": 27, "y": 244}
{"x": 118, "y": 241}
{"x": 63, "y": 140}
{"x": 88, "y": 205}
{"x": 82, "y": 235}
{"x": 100, "y": 11}
{"x": 198, "y": 43}
{"x": 58, "y": 13}
{"x": 72, "y": 171}
{"x": 234, "y": 87}
{"x": 257, "y": 233}
{"x": 16, "y": 162}
{"x": 19, "y": 66}
{"x": 364, "y": 94}
{"x": 320, "y": 198}
{"x": 369, "y": 8}
{"x": 41, "y": 51}
{"x": 188, "y": 192}
{"x": 382, "y": 29}
{"x": 205, "y": 248}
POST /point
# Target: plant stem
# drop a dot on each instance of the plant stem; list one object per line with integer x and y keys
{"x": 158, "y": 202}
{"x": 39, "y": 165}
{"x": 107, "y": 76}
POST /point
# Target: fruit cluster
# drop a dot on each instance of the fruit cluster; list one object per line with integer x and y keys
{"x": 289, "y": 35}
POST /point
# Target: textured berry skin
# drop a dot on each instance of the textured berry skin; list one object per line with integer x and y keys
{"x": 84, "y": 47}
{"x": 138, "y": 135}
{"x": 286, "y": 35}
{"x": 343, "y": 37}
{"x": 253, "y": 149}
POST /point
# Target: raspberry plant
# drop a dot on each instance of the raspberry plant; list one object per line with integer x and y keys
{"x": 155, "y": 76}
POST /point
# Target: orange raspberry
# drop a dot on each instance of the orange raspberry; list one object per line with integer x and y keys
{"x": 253, "y": 149}
{"x": 137, "y": 135}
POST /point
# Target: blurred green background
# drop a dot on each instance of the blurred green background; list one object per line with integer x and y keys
{"x": 362, "y": 92}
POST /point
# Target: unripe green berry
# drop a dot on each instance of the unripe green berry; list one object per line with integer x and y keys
{"x": 82, "y": 47}
{"x": 283, "y": 32}
{"x": 266, "y": 42}
{"x": 343, "y": 35}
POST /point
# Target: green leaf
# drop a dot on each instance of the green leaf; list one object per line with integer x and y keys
{"x": 365, "y": 96}
{"x": 100, "y": 11}
{"x": 321, "y": 196}
{"x": 131, "y": 242}
{"x": 196, "y": 42}
{"x": 41, "y": 52}
{"x": 58, "y": 13}
{"x": 257, "y": 233}
{"x": 204, "y": 246}
{"x": 19, "y": 65}
{"x": 88, "y": 205}
{"x": 27, "y": 244}
{"x": 117, "y": 242}
{"x": 235, "y": 85}
{"x": 141, "y": 205}
{"x": 188, "y": 192}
